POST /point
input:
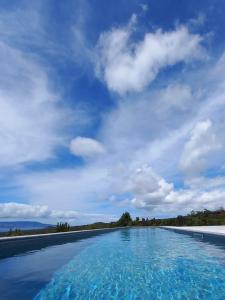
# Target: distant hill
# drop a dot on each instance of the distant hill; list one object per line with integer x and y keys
{"x": 23, "y": 225}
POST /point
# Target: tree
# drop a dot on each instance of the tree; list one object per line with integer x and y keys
{"x": 61, "y": 227}
{"x": 15, "y": 232}
{"x": 180, "y": 220}
{"x": 125, "y": 219}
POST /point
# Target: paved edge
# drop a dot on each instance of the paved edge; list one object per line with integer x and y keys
{"x": 191, "y": 230}
{"x": 22, "y": 237}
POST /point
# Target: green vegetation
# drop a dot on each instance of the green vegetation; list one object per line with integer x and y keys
{"x": 14, "y": 232}
{"x": 125, "y": 220}
{"x": 195, "y": 218}
{"x": 62, "y": 227}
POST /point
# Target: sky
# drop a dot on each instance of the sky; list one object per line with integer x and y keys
{"x": 108, "y": 107}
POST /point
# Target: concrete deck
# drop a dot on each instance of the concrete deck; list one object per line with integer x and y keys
{"x": 215, "y": 230}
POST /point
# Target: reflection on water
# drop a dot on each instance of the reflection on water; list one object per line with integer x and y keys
{"x": 125, "y": 235}
{"x": 143, "y": 263}
{"x": 22, "y": 245}
{"x": 26, "y": 265}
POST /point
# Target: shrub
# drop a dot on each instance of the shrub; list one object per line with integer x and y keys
{"x": 14, "y": 232}
{"x": 62, "y": 227}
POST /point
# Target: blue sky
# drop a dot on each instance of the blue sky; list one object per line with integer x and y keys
{"x": 106, "y": 108}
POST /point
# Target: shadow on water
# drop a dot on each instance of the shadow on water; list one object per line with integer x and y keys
{"x": 212, "y": 239}
{"x": 27, "y": 264}
{"x": 12, "y": 247}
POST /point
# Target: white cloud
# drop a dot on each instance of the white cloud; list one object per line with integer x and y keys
{"x": 33, "y": 116}
{"x": 204, "y": 183}
{"x": 17, "y": 210}
{"x": 32, "y": 122}
{"x": 175, "y": 96}
{"x": 83, "y": 188}
{"x": 143, "y": 128}
{"x": 148, "y": 188}
{"x": 152, "y": 129}
{"x": 14, "y": 210}
{"x": 194, "y": 199}
{"x": 14, "y": 23}
{"x": 24, "y": 26}
{"x": 126, "y": 65}
{"x": 86, "y": 147}
{"x": 202, "y": 141}
{"x": 151, "y": 192}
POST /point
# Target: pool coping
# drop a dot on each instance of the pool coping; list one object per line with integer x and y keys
{"x": 197, "y": 230}
{"x": 43, "y": 235}
{"x": 174, "y": 228}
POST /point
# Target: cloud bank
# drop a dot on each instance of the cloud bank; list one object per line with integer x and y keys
{"x": 27, "y": 211}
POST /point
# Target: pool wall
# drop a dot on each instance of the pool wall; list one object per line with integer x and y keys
{"x": 10, "y": 246}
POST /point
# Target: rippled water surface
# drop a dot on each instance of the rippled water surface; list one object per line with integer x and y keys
{"x": 140, "y": 263}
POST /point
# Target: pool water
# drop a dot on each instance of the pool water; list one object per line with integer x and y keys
{"x": 137, "y": 263}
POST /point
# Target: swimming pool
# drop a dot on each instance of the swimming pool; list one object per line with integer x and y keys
{"x": 135, "y": 263}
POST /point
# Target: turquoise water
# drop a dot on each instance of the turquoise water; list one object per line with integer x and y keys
{"x": 142, "y": 263}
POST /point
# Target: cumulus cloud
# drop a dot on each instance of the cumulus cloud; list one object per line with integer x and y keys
{"x": 86, "y": 147}
{"x": 26, "y": 211}
{"x": 154, "y": 194}
{"x": 148, "y": 188}
{"x": 185, "y": 200}
{"x": 126, "y": 65}
{"x": 202, "y": 141}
